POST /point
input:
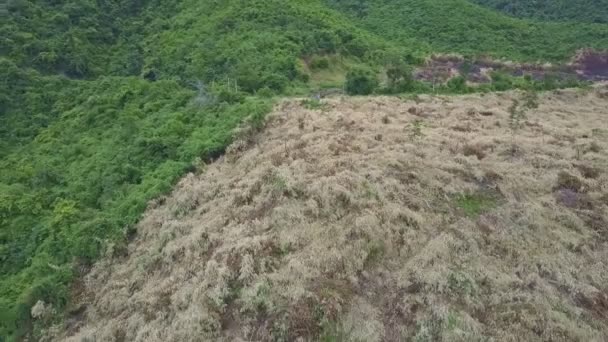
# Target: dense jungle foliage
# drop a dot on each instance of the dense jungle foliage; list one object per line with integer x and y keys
{"x": 460, "y": 26}
{"x": 592, "y": 11}
{"x": 105, "y": 103}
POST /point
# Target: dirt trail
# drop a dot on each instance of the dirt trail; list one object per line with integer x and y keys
{"x": 376, "y": 219}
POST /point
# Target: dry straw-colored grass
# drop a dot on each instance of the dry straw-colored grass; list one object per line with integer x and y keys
{"x": 376, "y": 219}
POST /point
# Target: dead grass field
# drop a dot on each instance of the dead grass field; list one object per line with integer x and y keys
{"x": 375, "y": 219}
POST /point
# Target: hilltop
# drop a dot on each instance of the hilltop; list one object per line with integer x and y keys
{"x": 375, "y": 219}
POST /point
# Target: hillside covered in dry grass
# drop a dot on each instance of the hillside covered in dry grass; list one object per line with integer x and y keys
{"x": 374, "y": 219}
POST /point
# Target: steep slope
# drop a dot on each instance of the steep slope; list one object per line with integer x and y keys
{"x": 373, "y": 219}
{"x": 592, "y": 11}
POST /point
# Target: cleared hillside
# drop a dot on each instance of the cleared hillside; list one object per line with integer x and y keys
{"x": 374, "y": 219}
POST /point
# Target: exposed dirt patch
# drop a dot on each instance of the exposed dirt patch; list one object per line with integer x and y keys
{"x": 587, "y": 65}
{"x": 374, "y": 219}
{"x": 591, "y": 65}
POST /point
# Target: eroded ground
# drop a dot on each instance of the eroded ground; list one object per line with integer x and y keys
{"x": 586, "y": 65}
{"x": 376, "y": 219}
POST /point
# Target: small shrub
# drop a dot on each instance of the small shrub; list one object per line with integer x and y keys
{"x": 275, "y": 81}
{"x": 375, "y": 252}
{"x": 594, "y": 147}
{"x": 319, "y": 63}
{"x": 265, "y": 92}
{"x": 415, "y": 111}
{"x": 568, "y": 181}
{"x": 474, "y": 150}
{"x": 313, "y": 104}
{"x": 227, "y": 93}
{"x": 399, "y": 78}
{"x": 333, "y": 332}
{"x": 475, "y": 204}
{"x": 361, "y": 81}
{"x": 588, "y": 171}
{"x": 530, "y": 99}
{"x": 501, "y": 82}
{"x": 492, "y": 176}
{"x": 417, "y": 129}
{"x": 602, "y": 94}
{"x": 604, "y": 199}
{"x": 517, "y": 113}
{"x": 461, "y": 284}
{"x": 457, "y": 84}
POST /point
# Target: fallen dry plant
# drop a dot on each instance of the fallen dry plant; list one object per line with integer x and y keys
{"x": 375, "y": 219}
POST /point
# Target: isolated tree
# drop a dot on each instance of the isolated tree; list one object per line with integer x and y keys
{"x": 399, "y": 77}
{"x": 361, "y": 81}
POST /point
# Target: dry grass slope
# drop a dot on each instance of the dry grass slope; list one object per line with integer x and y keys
{"x": 376, "y": 219}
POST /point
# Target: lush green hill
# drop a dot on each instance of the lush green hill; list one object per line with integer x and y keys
{"x": 461, "y": 26}
{"x": 75, "y": 38}
{"x": 592, "y": 11}
{"x": 104, "y": 104}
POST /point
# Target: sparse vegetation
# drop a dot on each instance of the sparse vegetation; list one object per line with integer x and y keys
{"x": 518, "y": 112}
{"x": 313, "y": 103}
{"x": 416, "y": 131}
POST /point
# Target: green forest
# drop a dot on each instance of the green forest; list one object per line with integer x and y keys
{"x": 104, "y": 104}
{"x": 591, "y": 11}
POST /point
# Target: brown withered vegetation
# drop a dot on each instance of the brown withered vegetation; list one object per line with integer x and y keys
{"x": 368, "y": 221}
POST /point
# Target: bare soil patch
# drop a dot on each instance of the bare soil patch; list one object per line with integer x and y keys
{"x": 587, "y": 65}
